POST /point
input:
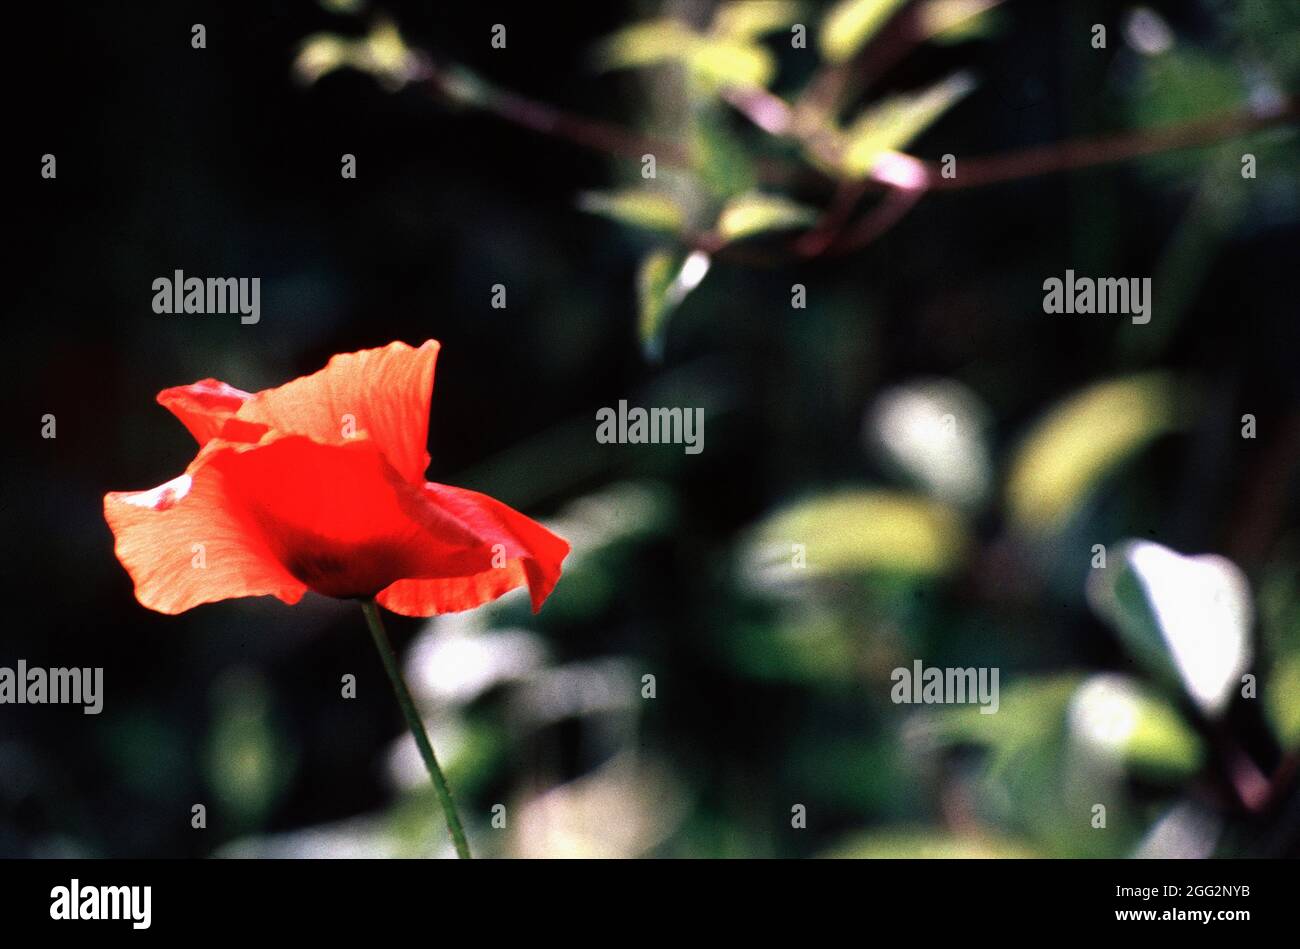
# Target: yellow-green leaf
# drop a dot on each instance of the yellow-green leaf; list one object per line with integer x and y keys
{"x": 320, "y": 55}
{"x": 1080, "y": 442}
{"x": 951, "y": 21}
{"x": 714, "y": 60}
{"x": 652, "y": 282}
{"x": 755, "y": 213}
{"x": 856, "y": 531}
{"x": 1161, "y": 745}
{"x": 895, "y": 122}
{"x": 386, "y": 50}
{"x": 924, "y": 843}
{"x": 382, "y": 53}
{"x": 643, "y": 44}
{"x": 651, "y": 210}
{"x": 665, "y": 279}
{"x": 1114, "y": 717}
{"x": 851, "y": 23}
{"x": 748, "y": 19}
{"x": 719, "y": 157}
{"x": 1282, "y": 700}
{"x": 731, "y": 63}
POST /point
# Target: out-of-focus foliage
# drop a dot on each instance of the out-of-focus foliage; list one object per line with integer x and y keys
{"x": 729, "y": 60}
{"x": 752, "y": 214}
{"x": 1079, "y": 442}
{"x": 729, "y": 54}
{"x": 894, "y": 123}
{"x": 647, "y": 209}
{"x": 665, "y": 278}
{"x": 382, "y": 53}
{"x": 732, "y": 59}
{"x": 905, "y": 458}
{"x": 927, "y": 845}
{"x": 1186, "y": 618}
{"x": 851, "y": 23}
{"x": 858, "y": 531}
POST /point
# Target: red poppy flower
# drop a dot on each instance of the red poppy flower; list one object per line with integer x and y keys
{"x": 319, "y": 485}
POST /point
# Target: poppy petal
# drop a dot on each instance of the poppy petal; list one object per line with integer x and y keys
{"x": 382, "y": 394}
{"x": 523, "y": 552}
{"x": 183, "y": 545}
{"x": 342, "y": 520}
{"x": 207, "y": 408}
{"x": 318, "y": 484}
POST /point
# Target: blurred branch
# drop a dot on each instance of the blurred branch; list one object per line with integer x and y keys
{"x": 891, "y": 209}
{"x": 777, "y": 117}
{"x": 832, "y": 221}
{"x": 1024, "y": 164}
{"x": 541, "y": 117}
{"x": 1086, "y": 153}
{"x": 833, "y": 85}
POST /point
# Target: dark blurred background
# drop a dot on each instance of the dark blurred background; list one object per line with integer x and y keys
{"x": 771, "y": 687}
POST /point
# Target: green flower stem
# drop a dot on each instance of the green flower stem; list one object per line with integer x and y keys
{"x": 413, "y": 722}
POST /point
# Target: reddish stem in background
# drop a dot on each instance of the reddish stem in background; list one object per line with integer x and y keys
{"x": 828, "y": 234}
{"x": 616, "y": 140}
{"x": 1085, "y": 153}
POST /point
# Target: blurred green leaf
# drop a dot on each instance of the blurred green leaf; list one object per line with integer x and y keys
{"x": 1030, "y": 713}
{"x": 321, "y": 54}
{"x": 928, "y": 844}
{"x": 651, "y": 210}
{"x": 1282, "y": 700}
{"x": 1031, "y": 773}
{"x": 1115, "y": 717}
{"x": 1185, "y": 84}
{"x": 382, "y": 53}
{"x": 713, "y": 60}
{"x": 755, "y": 213}
{"x": 892, "y": 124}
{"x": 1080, "y": 442}
{"x": 665, "y": 279}
{"x": 813, "y": 649}
{"x": 731, "y": 63}
{"x": 750, "y": 19}
{"x": 954, "y": 21}
{"x": 645, "y": 44}
{"x": 1271, "y": 31}
{"x": 1162, "y": 744}
{"x": 934, "y": 432}
{"x": 247, "y": 763}
{"x": 859, "y": 530}
{"x": 653, "y": 280}
{"x": 1187, "y": 619}
{"x": 851, "y": 23}
{"x": 718, "y": 156}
